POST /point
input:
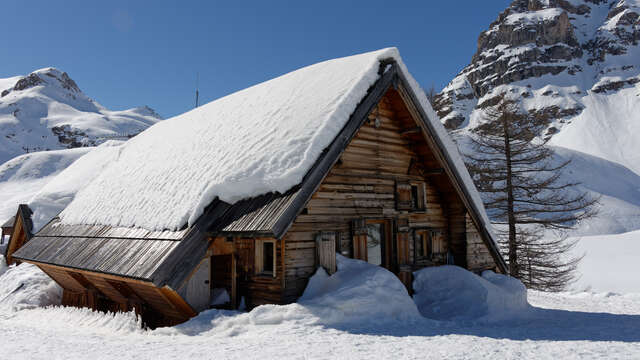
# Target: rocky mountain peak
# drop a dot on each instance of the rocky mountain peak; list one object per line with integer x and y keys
{"x": 46, "y": 110}
{"x": 576, "y": 46}
{"x": 48, "y": 76}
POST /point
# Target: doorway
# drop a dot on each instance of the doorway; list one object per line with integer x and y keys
{"x": 373, "y": 243}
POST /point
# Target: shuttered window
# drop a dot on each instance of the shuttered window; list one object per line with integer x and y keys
{"x": 411, "y": 196}
{"x": 326, "y": 250}
{"x": 359, "y": 230}
{"x": 429, "y": 243}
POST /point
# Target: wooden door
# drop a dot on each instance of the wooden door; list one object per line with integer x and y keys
{"x": 198, "y": 287}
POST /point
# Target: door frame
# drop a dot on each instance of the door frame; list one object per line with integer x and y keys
{"x": 386, "y": 247}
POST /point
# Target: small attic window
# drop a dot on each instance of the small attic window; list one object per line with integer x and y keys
{"x": 418, "y": 196}
{"x": 411, "y": 196}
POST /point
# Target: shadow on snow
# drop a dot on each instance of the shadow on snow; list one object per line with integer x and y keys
{"x": 540, "y": 324}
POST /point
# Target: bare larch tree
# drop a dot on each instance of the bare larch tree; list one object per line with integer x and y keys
{"x": 526, "y": 196}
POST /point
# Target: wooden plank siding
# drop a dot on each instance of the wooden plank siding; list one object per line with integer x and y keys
{"x": 362, "y": 185}
{"x": 478, "y": 256}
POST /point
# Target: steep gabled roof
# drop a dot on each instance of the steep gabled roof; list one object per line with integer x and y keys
{"x": 269, "y": 214}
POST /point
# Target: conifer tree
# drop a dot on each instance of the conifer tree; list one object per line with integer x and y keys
{"x": 526, "y": 196}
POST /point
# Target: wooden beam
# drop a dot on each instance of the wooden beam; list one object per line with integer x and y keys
{"x": 414, "y": 130}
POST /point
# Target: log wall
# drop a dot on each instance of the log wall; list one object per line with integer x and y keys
{"x": 478, "y": 256}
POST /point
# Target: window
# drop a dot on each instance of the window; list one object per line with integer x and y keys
{"x": 424, "y": 247}
{"x": 266, "y": 257}
{"x": 429, "y": 243}
{"x": 418, "y": 198}
{"x": 411, "y": 196}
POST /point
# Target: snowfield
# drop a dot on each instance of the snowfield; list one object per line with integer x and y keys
{"x": 619, "y": 252}
{"x": 566, "y": 325}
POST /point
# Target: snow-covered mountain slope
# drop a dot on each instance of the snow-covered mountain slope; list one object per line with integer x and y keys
{"x": 24, "y": 176}
{"x": 620, "y": 255}
{"x": 574, "y": 65}
{"x": 46, "y": 110}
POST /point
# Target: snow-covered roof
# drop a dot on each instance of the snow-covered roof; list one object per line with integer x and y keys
{"x": 259, "y": 140}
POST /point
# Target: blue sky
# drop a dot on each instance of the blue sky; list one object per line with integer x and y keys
{"x": 132, "y": 53}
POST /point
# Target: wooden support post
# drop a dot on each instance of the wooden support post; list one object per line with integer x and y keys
{"x": 234, "y": 281}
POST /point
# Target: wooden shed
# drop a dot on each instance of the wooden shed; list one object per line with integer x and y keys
{"x": 20, "y": 231}
{"x": 389, "y": 190}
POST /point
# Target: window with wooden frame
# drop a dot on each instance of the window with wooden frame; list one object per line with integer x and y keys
{"x": 418, "y": 196}
{"x": 411, "y": 196}
{"x": 266, "y": 257}
{"x": 428, "y": 242}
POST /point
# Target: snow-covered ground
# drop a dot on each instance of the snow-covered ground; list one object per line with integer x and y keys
{"x": 566, "y": 325}
{"x": 610, "y": 263}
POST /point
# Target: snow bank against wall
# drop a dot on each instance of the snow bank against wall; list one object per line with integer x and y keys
{"x": 453, "y": 293}
{"x": 357, "y": 295}
{"x": 356, "y": 291}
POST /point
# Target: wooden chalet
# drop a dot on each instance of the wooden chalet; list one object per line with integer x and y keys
{"x": 19, "y": 229}
{"x": 387, "y": 190}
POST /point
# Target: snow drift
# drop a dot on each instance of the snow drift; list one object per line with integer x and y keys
{"x": 25, "y": 286}
{"x": 356, "y": 291}
{"x": 452, "y": 293}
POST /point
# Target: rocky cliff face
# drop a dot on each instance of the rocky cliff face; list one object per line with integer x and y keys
{"x": 550, "y": 54}
{"x": 46, "y": 110}
{"x": 574, "y": 65}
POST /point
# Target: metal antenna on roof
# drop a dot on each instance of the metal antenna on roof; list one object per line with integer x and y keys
{"x": 197, "y": 83}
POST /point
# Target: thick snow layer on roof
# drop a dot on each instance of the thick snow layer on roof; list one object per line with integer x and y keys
{"x": 25, "y": 175}
{"x": 258, "y": 140}
{"x": 61, "y": 190}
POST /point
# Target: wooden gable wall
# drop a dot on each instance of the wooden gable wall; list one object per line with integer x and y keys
{"x": 18, "y": 237}
{"x": 362, "y": 185}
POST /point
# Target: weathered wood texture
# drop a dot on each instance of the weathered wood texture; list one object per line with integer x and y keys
{"x": 20, "y": 233}
{"x": 363, "y": 185}
{"x": 258, "y": 289}
{"x": 478, "y": 256}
